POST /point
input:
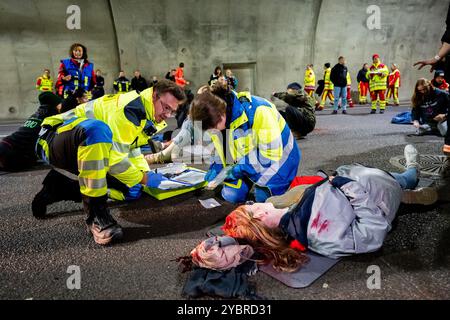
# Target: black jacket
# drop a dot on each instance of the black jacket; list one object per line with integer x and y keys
{"x": 339, "y": 75}
{"x": 18, "y": 149}
{"x": 438, "y": 102}
{"x": 362, "y": 76}
{"x": 139, "y": 84}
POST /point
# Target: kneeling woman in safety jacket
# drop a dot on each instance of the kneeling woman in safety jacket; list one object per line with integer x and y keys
{"x": 262, "y": 148}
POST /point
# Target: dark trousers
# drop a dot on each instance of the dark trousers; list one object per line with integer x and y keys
{"x": 297, "y": 121}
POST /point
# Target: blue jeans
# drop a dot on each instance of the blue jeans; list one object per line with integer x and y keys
{"x": 408, "y": 179}
{"x": 340, "y": 92}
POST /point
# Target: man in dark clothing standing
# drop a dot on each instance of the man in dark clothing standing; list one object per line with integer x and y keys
{"x": 138, "y": 83}
{"x": 99, "y": 88}
{"x": 339, "y": 78}
{"x": 17, "y": 151}
{"x": 122, "y": 84}
{"x": 299, "y": 115}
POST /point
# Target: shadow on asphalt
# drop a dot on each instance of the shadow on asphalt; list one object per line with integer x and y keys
{"x": 178, "y": 215}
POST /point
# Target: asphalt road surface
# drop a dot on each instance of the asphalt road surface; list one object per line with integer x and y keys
{"x": 35, "y": 254}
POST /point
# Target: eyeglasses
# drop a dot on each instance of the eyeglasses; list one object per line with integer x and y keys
{"x": 167, "y": 109}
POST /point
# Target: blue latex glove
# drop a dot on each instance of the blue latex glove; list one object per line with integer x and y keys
{"x": 154, "y": 179}
{"x": 134, "y": 193}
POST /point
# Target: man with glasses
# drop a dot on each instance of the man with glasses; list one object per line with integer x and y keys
{"x": 100, "y": 142}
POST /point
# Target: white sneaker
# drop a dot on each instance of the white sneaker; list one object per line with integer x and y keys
{"x": 412, "y": 158}
{"x": 425, "y": 196}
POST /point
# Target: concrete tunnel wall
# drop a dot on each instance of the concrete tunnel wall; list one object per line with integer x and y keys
{"x": 278, "y": 37}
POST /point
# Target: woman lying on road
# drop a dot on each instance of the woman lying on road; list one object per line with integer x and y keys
{"x": 349, "y": 213}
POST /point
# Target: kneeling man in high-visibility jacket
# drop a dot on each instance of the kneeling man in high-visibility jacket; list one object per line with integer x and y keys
{"x": 99, "y": 142}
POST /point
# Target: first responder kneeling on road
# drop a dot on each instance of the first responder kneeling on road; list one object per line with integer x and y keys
{"x": 264, "y": 154}
{"x": 99, "y": 142}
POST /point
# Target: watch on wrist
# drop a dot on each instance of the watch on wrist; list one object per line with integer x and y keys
{"x": 437, "y": 58}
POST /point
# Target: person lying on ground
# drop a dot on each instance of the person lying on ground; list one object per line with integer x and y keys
{"x": 350, "y": 212}
{"x": 17, "y": 150}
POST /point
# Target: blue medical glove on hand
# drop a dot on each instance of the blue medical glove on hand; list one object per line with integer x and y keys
{"x": 134, "y": 193}
{"x": 154, "y": 179}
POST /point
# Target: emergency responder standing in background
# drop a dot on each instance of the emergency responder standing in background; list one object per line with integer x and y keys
{"x": 99, "y": 142}
{"x": 45, "y": 82}
{"x": 76, "y": 72}
{"x": 179, "y": 76}
{"x": 310, "y": 80}
{"x": 377, "y": 75}
{"x": 122, "y": 84}
{"x": 99, "y": 88}
{"x": 328, "y": 89}
{"x": 394, "y": 83}
{"x": 363, "y": 84}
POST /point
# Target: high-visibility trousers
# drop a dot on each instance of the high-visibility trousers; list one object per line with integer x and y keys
{"x": 81, "y": 147}
{"x": 310, "y": 92}
{"x": 326, "y": 94}
{"x": 393, "y": 93}
{"x": 349, "y": 96}
{"x": 363, "y": 90}
{"x": 378, "y": 95}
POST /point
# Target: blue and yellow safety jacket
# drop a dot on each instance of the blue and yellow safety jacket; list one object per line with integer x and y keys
{"x": 260, "y": 143}
{"x": 81, "y": 75}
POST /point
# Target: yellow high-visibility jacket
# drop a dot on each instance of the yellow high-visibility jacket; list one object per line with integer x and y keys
{"x": 260, "y": 143}
{"x": 310, "y": 80}
{"x": 127, "y": 115}
{"x": 44, "y": 84}
{"x": 377, "y": 82}
{"x": 328, "y": 84}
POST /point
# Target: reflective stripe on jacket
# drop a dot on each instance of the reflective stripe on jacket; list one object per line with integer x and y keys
{"x": 261, "y": 144}
{"x": 377, "y": 82}
{"x": 127, "y": 115}
{"x": 310, "y": 80}
{"x": 328, "y": 84}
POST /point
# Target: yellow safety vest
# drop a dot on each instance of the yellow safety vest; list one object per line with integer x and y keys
{"x": 46, "y": 84}
{"x": 349, "y": 79}
{"x": 397, "y": 82}
{"x": 126, "y": 161}
{"x": 310, "y": 80}
{"x": 328, "y": 84}
{"x": 377, "y": 82}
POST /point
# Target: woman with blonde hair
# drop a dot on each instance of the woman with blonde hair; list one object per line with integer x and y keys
{"x": 348, "y": 213}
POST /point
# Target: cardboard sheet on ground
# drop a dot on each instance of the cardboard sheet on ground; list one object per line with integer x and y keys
{"x": 316, "y": 267}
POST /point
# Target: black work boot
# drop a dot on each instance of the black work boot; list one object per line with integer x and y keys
{"x": 100, "y": 221}
{"x": 57, "y": 187}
